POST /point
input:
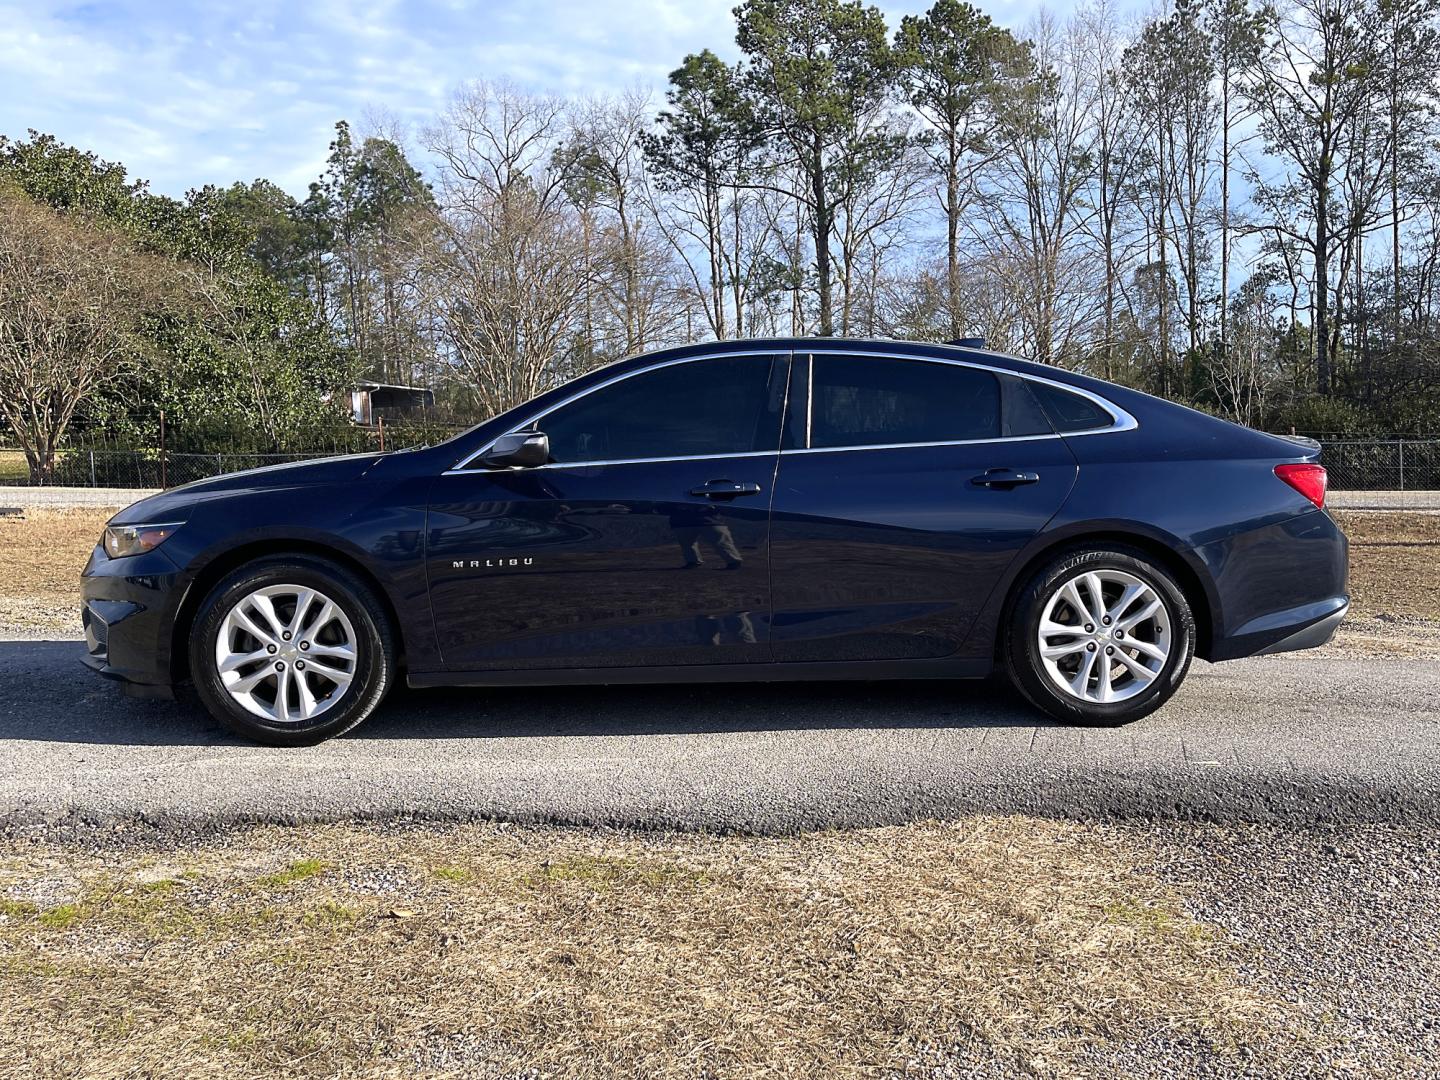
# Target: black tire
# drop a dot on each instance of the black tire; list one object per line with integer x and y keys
{"x": 374, "y": 648}
{"x": 1020, "y": 648}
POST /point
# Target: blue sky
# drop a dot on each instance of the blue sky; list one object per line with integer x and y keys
{"x": 188, "y": 94}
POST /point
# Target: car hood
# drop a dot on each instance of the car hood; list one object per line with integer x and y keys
{"x": 176, "y": 503}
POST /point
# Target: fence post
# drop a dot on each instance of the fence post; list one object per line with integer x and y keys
{"x": 163, "y": 477}
{"x": 382, "y": 434}
{"x": 92, "y": 469}
{"x": 1402, "y": 464}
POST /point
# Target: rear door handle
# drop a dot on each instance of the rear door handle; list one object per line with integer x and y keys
{"x": 725, "y": 489}
{"x": 1004, "y": 478}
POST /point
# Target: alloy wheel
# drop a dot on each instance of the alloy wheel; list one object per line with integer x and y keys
{"x": 286, "y": 653}
{"x": 1104, "y": 636}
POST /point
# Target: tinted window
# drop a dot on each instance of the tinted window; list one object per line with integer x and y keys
{"x": 1071, "y": 412}
{"x": 871, "y": 400}
{"x": 1021, "y": 414}
{"x": 702, "y": 407}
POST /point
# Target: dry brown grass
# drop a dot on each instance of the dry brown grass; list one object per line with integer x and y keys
{"x": 1394, "y": 563}
{"x": 44, "y": 552}
{"x": 1394, "y": 566}
{"x": 482, "y": 950}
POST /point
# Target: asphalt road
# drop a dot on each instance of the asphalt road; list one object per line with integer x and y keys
{"x": 1287, "y": 738}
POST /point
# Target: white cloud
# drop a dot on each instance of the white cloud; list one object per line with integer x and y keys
{"x": 189, "y": 94}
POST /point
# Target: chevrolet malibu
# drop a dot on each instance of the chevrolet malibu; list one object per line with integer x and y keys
{"x": 737, "y": 511}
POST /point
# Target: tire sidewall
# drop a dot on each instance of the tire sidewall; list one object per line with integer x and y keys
{"x": 1022, "y": 653}
{"x": 372, "y": 646}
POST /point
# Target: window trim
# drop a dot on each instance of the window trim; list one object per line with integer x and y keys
{"x": 1123, "y": 421}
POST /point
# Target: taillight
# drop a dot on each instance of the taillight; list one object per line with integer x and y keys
{"x": 1307, "y": 479}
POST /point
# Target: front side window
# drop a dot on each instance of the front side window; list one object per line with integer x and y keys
{"x": 877, "y": 401}
{"x": 699, "y": 408}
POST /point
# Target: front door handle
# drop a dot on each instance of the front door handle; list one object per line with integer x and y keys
{"x": 1004, "y": 478}
{"x": 725, "y": 489}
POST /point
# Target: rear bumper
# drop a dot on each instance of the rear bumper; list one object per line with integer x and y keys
{"x": 1278, "y": 587}
{"x": 1312, "y": 636}
{"x": 1305, "y": 627}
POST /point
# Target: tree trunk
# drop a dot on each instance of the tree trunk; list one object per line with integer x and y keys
{"x": 1224, "y": 209}
{"x": 822, "y": 241}
{"x": 952, "y": 237}
{"x": 1322, "y": 287}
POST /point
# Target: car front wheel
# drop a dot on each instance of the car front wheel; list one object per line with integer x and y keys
{"x": 1100, "y": 636}
{"x": 291, "y": 651}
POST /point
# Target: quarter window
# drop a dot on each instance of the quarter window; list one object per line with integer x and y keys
{"x": 1070, "y": 412}
{"x": 699, "y": 408}
{"x": 875, "y": 401}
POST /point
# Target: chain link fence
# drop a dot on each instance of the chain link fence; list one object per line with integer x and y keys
{"x": 1396, "y": 465}
{"x": 1363, "y": 472}
{"x": 102, "y": 465}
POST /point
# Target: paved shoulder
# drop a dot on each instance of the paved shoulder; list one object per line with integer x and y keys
{"x": 1292, "y": 738}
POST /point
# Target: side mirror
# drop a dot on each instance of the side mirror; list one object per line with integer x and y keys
{"x": 519, "y": 450}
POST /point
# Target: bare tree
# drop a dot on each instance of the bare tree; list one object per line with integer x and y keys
{"x": 72, "y": 297}
{"x": 1308, "y": 86}
{"x": 1035, "y": 216}
{"x": 1114, "y": 144}
{"x": 604, "y": 171}
{"x": 506, "y": 278}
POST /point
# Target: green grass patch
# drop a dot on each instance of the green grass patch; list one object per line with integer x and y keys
{"x": 299, "y": 870}
{"x": 58, "y": 918}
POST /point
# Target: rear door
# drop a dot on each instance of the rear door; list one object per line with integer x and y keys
{"x": 906, "y": 487}
{"x": 645, "y": 540}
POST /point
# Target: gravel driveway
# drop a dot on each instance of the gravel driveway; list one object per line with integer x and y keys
{"x": 1289, "y": 738}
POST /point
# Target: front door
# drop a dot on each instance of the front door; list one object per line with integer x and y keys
{"x": 906, "y": 489}
{"x": 644, "y": 541}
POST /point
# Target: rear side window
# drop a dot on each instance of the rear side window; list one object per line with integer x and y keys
{"x": 877, "y": 401}
{"x": 1070, "y": 412}
{"x": 701, "y": 408}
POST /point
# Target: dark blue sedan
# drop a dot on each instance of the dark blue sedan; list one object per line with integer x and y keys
{"x": 753, "y": 510}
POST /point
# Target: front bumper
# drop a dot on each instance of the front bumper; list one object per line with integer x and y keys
{"x": 128, "y": 612}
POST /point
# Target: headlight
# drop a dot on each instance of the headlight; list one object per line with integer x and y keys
{"x": 122, "y": 540}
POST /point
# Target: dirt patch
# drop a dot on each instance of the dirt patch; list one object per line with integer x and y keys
{"x": 45, "y": 550}
{"x": 502, "y": 951}
{"x": 1394, "y": 564}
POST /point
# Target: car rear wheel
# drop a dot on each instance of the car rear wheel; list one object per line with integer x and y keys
{"x": 291, "y": 651}
{"x": 1099, "y": 636}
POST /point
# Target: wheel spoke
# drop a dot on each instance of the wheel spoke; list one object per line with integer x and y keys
{"x": 236, "y": 661}
{"x": 1105, "y": 691}
{"x": 282, "y": 694}
{"x": 307, "y": 699}
{"x": 266, "y": 608}
{"x": 1139, "y": 670}
{"x": 248, "y": 683}
{"x": 1129, "y": 596}
{"x": 1097, "y": 597}
{"x": 1140, "y": 616}
{"x": 339, "y": 652}
{"x": 302, "y": 607}
{"x": 328, "y": 612}
{"x": 1148, "y": 648}
{"x": 334, "y": 674}
{"x": 1080, "y": 684}
{"x": 1071, "y": 594}
{"x": 243, "y": 619}
{"x": 1069, "y": 648}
